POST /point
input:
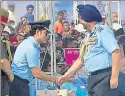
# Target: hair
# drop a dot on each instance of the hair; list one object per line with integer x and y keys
{"x": 60, "y": 12}
{"x": 33, "y": 30}
{"x": 60, "y": 49}
{"x": 64, "y": 11}
{"x": 23, "y": 17}
{"x": 114, "y": 13}
{"x": 58, "y": 37}
{"x": 65, "y": 22}
{"x": 66, "y": 41}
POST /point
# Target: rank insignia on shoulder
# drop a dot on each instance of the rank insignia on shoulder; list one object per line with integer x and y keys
{"x": 100, "y": 29}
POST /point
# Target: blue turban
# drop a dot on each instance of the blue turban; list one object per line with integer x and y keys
{"x": 30, "y": 6}
{"x": 89, "y": 13}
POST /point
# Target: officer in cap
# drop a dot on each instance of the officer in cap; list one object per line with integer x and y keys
{"x": 99, "y": 53}
{"x": 26, "y": 62}
{"x": 6, "y": 73}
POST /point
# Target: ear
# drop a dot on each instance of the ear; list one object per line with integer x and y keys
{"x": 37, "y": 32}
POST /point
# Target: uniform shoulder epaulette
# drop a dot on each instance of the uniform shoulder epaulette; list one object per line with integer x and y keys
{"x": 100, "y": 28}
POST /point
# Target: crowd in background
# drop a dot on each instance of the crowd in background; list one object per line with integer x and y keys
{"x": 68, "y": 34}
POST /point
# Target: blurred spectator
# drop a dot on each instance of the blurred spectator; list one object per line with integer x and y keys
{"x": 12, "y": 20}
{"x": 74, "y": 43}
{"x": 59, "y": 67}
{"x": 59, "y": 42}
{"x": 45, "y": 60}
{"x": 5, "y": 34}
{"x": 23, "y": 22}
{"x": 72, "y": 26}
{"x": 29, "y": 13}
{"x": 66, "y": 29}
{"x": 104, "y": 20}
{"x": 58, "y": 24}
{"x": 65, "y": 15}
{"x": 16, "y": 40}
{"x": 67, "y": 42}
{"x": 80, "y": 38}
{"x": 118, "y": 30}
{"x": 115, "y": 17}
{"x": 43, "y": 47}
{"x": 74, "y": 33}
{"x": 59, "y": 55}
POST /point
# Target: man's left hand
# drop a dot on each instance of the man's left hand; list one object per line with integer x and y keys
{"x": 113, "y": 82}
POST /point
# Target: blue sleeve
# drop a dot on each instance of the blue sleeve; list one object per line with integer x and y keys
{"x": 33, "y": 57}
{"x": 108, "y": 40}
{"x": 33, "y": 17}
{"x": 71, "y": 88}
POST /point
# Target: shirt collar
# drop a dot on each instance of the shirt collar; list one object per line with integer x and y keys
{"x": 36, "y": 44}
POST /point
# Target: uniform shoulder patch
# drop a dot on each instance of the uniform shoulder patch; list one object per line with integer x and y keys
{"x": 100, "y": 29}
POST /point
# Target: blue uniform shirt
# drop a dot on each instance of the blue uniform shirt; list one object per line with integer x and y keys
{"x": 97, "y": 48}
{"x": 30, "y": 17}
{"x": 27, "y": 55}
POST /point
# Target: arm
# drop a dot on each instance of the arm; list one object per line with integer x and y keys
{"x": 34, "y": 63}
{"x": 5, "y": 66}
{"x": 111, "y": 45}
{"x": 77, "y": 65}
{"x": 41, "y": 75}
{"x": 115, "y": 63}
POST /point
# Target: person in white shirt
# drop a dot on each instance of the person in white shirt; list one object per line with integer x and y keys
{"x": 12, "y": 20}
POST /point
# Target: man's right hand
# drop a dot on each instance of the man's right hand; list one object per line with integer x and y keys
{"x": 64, "y": 78}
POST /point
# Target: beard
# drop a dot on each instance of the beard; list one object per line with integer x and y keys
{"x": 86, "y": 27}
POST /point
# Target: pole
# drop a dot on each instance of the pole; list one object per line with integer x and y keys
{"x": 54, "y": 36}
{"x": 109, "y": 13}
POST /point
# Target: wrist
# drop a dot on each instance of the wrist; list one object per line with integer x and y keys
{"x": 114, "y": 76}
{"x": 9, "y": 74}
{"x": 55, "y": 79}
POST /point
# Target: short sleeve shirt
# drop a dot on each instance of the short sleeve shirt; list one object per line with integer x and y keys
{"x": 97, "y": 48}
{"x": 27, "y": 55}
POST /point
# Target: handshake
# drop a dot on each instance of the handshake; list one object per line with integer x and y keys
{"x": 63, "y": 79}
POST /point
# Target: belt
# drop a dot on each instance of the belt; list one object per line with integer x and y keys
{"x": 101, "y": 71}
{"x": 24, "y": 80}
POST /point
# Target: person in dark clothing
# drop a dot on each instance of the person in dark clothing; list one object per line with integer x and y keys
{"x": 5, "y": 54}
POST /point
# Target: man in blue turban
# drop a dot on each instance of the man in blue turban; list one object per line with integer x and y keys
{"x": 29, "y": 13}
{"x": 99, "y": 54}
